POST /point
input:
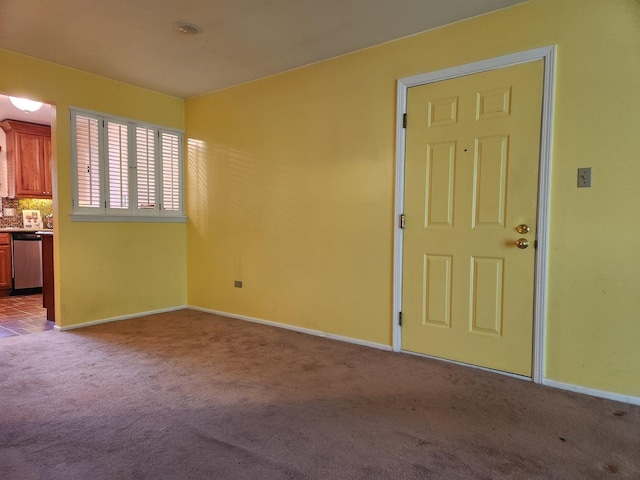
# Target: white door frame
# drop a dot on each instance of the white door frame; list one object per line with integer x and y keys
{"x": 547, "y": 54}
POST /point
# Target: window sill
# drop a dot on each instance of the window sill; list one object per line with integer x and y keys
{"x": 84, "y": 217}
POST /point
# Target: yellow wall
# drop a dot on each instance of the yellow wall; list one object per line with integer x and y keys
{"x": 290, "y": 185}
{"x": 105, "y": 270}
{"x": 290, "y": 189}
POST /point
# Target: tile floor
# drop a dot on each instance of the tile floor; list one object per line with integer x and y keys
{"x": 22, "y": 314}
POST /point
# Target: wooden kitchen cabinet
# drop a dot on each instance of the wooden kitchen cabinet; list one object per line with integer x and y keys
{"x": 5, "y": 264}
{"x": 28, "y": 159}
{"x": 46, "y": 172}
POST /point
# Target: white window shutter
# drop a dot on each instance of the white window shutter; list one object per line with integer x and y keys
{"x": 87, "y": 155}
{"x": 170, "y": 149}
{"x": 117, "y": 165}
{"x": 145, "y": 168}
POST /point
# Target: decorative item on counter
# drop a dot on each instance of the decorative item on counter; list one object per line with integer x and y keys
{"x": 48, "y": 221}
{"x": 31, "y": 219}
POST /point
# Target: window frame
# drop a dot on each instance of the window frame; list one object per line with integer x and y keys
{"x": 132, "y": 213}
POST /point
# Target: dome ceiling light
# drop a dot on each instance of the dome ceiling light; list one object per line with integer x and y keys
{"x": 187, "y": 28}
{"x": 24, "y": 104}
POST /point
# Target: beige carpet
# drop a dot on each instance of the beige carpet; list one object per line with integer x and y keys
{"x": 189, "y": 395}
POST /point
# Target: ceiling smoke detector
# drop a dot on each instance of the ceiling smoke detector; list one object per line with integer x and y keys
{"x": 187, "y": 28}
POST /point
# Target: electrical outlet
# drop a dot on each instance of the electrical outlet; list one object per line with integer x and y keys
{"x": 237, "y": 283}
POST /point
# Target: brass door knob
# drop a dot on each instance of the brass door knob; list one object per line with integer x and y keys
{"x": 523, "y": 228}
{"x": 522, "y": 243}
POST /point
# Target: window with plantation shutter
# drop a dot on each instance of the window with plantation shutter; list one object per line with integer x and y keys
{"x": 118, "y": 165}
{"x": 125, "y": 170}
{"x": 87, "y": 154}
{"x": 146, "y": 168}
{"x": 170, "y": 144}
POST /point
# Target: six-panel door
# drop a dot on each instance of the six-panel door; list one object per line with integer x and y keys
{"x": 471, "y": 178}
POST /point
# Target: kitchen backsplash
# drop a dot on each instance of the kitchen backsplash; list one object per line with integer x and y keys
{"x": 45, "y": 207}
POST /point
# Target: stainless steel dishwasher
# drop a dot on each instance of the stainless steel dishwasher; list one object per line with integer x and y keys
{"x": 27, "y": 263}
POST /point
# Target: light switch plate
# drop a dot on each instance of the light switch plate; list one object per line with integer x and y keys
{"x": 584, "y": 177}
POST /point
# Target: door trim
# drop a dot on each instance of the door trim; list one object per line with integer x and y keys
{"x": 548, "y": 56}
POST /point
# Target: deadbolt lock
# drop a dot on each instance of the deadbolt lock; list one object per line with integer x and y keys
{"x": 523, "y": 228}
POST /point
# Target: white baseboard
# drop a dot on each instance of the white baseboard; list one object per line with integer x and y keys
{"x": 116, "y": 319}
{"x": 549, "y": 383}
{"x": 308, "y": 331}
{"x": 593, "y": 392}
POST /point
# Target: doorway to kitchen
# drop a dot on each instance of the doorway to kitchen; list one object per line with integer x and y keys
{"x": 26, "y": 212}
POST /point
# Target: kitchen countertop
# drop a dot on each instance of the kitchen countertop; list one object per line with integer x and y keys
{"x": 44, "y": 231}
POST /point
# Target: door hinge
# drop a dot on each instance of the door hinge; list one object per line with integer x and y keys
{"x": 400, "y": 318}
{"x": 402, "y": 220}
{"x": 404, "y": 120}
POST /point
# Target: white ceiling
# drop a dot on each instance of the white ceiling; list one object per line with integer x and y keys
{"x": 242, "y": 40}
